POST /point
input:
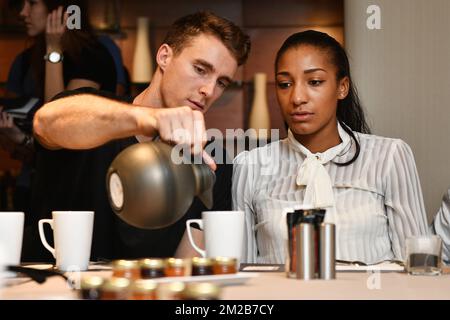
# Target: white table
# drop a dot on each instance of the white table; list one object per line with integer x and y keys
{"x": 275, "y": 286}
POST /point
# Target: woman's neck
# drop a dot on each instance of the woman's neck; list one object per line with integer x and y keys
{"x": 322, "y": 140}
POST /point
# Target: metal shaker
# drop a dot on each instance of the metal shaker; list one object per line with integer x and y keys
{"x": 327, "y": 251}
{"x": 294, "y": 217}
{"x": 306, "y": 262}
{"x": 311, "y": 245}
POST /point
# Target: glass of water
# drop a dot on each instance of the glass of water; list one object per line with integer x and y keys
{"x": 423, "y": 254}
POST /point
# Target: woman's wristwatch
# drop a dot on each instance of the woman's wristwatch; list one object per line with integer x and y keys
{"x": 54, "y": 57}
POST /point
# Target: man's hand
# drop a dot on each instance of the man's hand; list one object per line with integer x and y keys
{"x": 180, "y": 125}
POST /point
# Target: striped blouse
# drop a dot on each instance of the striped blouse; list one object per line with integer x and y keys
{"x": 441, "y": 225}
{"x": 377, "y": 199}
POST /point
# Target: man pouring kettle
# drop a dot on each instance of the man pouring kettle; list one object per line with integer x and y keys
{"x": 196, "y": 62}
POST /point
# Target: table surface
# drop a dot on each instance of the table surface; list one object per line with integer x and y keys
{"x": 276, "y": 286}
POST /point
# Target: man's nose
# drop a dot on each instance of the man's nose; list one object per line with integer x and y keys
{"x": 207, "y": 88}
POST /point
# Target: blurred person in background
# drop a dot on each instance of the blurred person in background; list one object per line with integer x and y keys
{"x": 58, "y": 59}
{"x": 441, "y": 226}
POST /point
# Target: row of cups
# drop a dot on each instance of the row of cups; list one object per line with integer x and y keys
{"x": 223, "y": 234}
{"x": 114, "y": 288}
{"x": 72, "y": 233}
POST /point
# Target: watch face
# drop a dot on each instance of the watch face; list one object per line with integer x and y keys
{"x": 54, "y": 57}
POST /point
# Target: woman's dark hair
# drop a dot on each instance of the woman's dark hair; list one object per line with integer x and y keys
{"x": 349, "y": 112}
{"x": 73, "y": 42}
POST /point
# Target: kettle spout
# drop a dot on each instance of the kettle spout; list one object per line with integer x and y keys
{"x": 204, "y": 183}
{"x": 207, "y": 198}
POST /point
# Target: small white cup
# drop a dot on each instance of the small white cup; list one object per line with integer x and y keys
{"x": 11, "y": 236}
{"x": 72, "y": 233}
{"x": 223, "y": 233}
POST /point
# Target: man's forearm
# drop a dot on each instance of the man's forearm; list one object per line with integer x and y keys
{"x": 85, "y": 121}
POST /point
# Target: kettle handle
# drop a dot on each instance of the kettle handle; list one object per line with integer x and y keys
{"x": 188, "y": 229}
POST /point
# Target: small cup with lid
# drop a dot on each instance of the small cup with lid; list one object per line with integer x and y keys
{"x": 152, "y": 268}
{"x": 143, "y": 289}
{"x": 175, "y": 267}
{"x": 225, "y": 265}
{"x": 201, "y": 291}
{"x": 170, "y": 290}
{"x": 90, "y": 287}
{"x": 201, "y": 266}
{"x": 126, "y": 269}
{"x": 115, "y": 289}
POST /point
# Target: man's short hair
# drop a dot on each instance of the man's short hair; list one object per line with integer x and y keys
{"x": 187, "y": 27}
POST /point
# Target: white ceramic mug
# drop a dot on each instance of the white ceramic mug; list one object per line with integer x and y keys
{"x": 11, "y": 236}
{"x": 72, "y": 234}
{"x": 223, "y": 233}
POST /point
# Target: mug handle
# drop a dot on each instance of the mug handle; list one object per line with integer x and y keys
{"x": 188, "y": 229}
{"x": 42, "y": 235}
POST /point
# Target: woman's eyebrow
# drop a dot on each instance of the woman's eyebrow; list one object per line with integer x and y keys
{"x": 313, "y": 70}
{"x": 307, "y": 71}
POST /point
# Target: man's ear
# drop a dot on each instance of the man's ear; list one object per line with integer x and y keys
{"x": 164, "y": 56}
{"x": 344, "y": 87}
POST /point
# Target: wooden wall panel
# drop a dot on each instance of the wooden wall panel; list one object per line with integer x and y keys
{"x": 10, "y": 46}
{"x": 268, "y": 23}
{"x": 269, "y": 13}
{"x": 266, "y": 42}
{"x": 127, "y": 47}
{"x": 6, "y": 163}
{"x": 9, "y": 14}
{"x": 227, "y": 112}
{"x": 163, "y": 13}
{"x": 128, "y": 44}
{"x": 276, "y": 118}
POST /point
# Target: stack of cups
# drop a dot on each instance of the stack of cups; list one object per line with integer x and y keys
{"x": 311, "y": 245}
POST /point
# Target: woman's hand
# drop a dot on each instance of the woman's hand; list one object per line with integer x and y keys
{"x": 56, "y": 26}
{"x": 9, "y": 129}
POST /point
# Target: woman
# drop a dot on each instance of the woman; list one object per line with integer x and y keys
{"x": 59, "y": 59}
{"x": 441, "y": 226}
{"x": 368, "y": 184}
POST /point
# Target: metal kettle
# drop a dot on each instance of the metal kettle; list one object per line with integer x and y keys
{"x": 148, "y": 190}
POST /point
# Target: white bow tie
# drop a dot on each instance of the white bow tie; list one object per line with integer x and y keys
{"x": 319, "y": 189}
{"x": 312, "y": 173}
